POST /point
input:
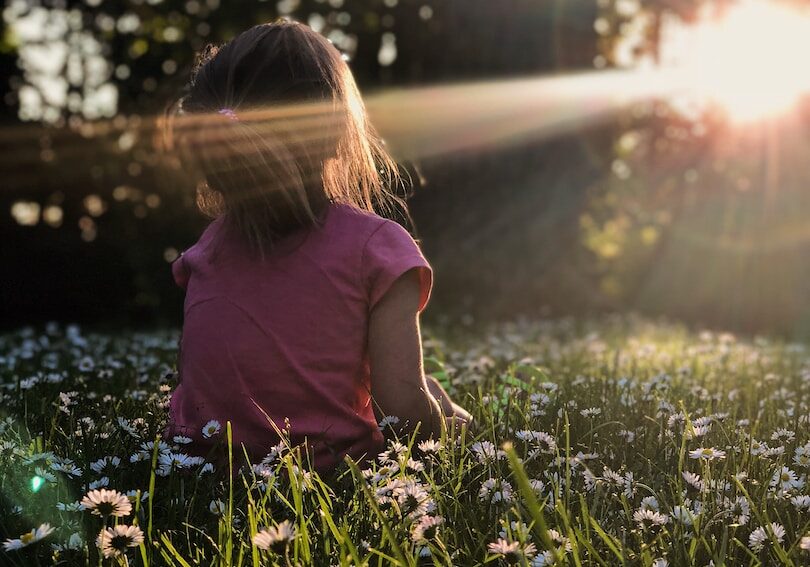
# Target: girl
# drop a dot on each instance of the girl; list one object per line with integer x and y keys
{"x": 302, "y": 304}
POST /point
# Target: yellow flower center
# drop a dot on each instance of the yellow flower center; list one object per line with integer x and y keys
{"x": 27, "y": 538}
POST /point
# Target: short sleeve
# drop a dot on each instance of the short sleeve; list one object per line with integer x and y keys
{"x": 388, "y": 254}
{"x": 180, "y": 271}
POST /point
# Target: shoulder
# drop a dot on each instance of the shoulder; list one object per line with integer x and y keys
{"x": 186, "y": 261}
{"x": 211, "y": 230}
{"x": 209, "y": 234}
{"x": 199, "y": 248}
{"x": 361, "y": 224}
{"x": 371, "y": 234}
{"x": 356, "y": 214}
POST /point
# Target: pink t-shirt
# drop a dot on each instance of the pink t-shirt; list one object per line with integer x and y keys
{"x": 288, "y": 334}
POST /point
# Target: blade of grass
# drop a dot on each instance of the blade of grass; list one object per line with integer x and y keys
{"x": 530, "y": 500}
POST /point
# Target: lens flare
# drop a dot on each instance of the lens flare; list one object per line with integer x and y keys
{"x": 750, "y": 60}
{"x": 37, "y": 482}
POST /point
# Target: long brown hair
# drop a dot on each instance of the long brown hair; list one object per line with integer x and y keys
{"x": 273, "y": 128}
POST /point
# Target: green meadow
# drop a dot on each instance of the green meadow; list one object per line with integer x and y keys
{"x": 613, "y": 442}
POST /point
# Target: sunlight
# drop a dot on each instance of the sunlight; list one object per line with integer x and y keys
{"x": 415, "y": 122}
{"x": 751, "y": 60}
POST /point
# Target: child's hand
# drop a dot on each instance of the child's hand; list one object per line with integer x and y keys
{"x": 461, "y": 427}
{"x": 435, "y": 389}
{"x": 449, "y": 407}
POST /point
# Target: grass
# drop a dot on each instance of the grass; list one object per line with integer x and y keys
{"x": 612, "y": 442}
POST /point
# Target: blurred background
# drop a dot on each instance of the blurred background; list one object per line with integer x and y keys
{"x": 601, "y": 155}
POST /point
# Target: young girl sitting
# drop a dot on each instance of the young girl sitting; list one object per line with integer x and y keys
{"x": 302, "y": 304}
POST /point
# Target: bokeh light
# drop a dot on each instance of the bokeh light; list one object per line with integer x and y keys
{"x": 37, "y": 482}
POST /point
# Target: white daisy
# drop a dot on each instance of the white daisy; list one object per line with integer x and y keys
{"x": 35, "y": 535}
{"x": 683, "y": 515}
{"x": 217, "y": 507}
{"x": 649, "y": 519}
{"x": 758, "y": 447}
{"x": 430, "y": 446}
{"x": 542, "y": 559}
{"x": 275, "y": 537}
{"x": 104, "y": 462}
{"x": 785, "y": 479}
{"x": 758, "y": 537}
{"x": 114, "y": 541}
{"x": 211, "y": 428}
{"x": 613, "y": 478}
{"x": 702, "y": 421}
{"x": 175, "y": 460}
{"x": 414, "y": 465}
{"x": 801, "y": 458}
{"x": 128, "y": 427}
{"x": 511, "y": 550}
{"x": 707, "y": 453}
{"x": 388, "y": 421}
{"x": 545, "y": 442}
{"x": 70, "y": 507}
{"x": 66, "y": 466}
{"x": 698, "y": 431}
{"x": 414, "y": 501}
{"x": 107, "y": 503}
{"x": 486, "y": 451}
{"x": 801, "y": 502}
{"x": 100, "y": 483}
{"x": 589, "y": 479}
{"x": 393, "y": 454}
{"x": 783, "y": 434}
{"x": 774, "y": 451}
{"x": 649, "y": 503}
{"x": 739, "y": 508}
{"x": 426, "y": 529}
{"x": 139, "y": 456}
{"x": 493, "y": 490}
{"x": 693, "y": 480}
{"x": 630, "y": 486}
{"x": 86, "y": 364}
{"x": 563, "y": 543}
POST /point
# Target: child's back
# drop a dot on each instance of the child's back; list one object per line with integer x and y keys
{"x": 295, "y": 309}
{"x": 287, "y": 336}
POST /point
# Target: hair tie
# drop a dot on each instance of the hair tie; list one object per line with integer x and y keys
{"x": 229, "y": 113}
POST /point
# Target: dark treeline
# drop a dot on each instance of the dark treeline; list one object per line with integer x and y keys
{"x": 483, "y": 219}
{"x": 551, "y": 227}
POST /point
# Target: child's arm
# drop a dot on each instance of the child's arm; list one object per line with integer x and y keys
{"x": 398, "y": 384}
